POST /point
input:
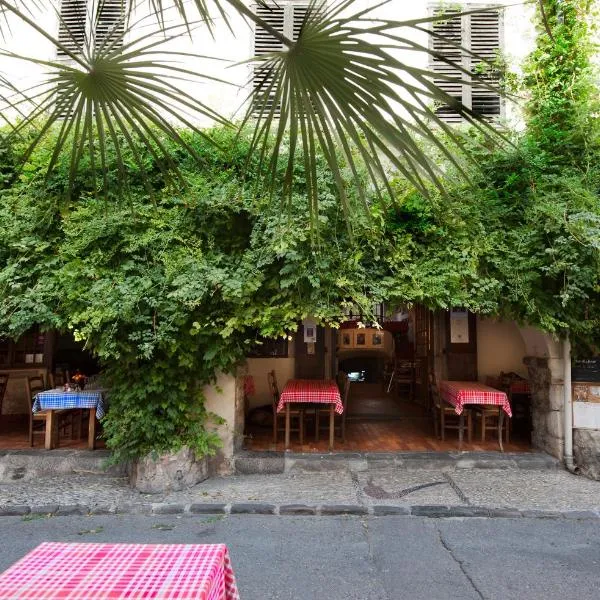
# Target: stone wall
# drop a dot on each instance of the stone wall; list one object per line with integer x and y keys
{"x": 586, "y": 451}
{"x": 545, "y": 377}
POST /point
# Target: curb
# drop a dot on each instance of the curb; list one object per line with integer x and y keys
{"x": 432, "y": 511}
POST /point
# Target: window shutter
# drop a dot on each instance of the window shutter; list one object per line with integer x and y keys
{"x": 110, "y": 25}
{"x": 72, "y": 26}
{"x": 485, "y": 43}
{"x": 298, "y": 20}
{"x": 286, "y": 18}
{"x": 446, "y": 42}
{"x": 481, "y": 34}
{"x": 264, "y": 43}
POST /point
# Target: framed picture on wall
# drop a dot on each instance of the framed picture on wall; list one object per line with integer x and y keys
{"x": 346, "y": 338}
{"x": 377, "y": 339}
{"x": 361, "y": 339}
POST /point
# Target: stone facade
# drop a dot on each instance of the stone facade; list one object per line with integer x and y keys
{"x": 546, "y": 404}
{"x": 168, "y": 473}
{"x": 586, "y": 450}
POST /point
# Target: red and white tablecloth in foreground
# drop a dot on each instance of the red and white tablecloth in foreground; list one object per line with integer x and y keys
{"x": 55, "y": 571}
{"x": 459, "y": 393}
{"x": 324, "y": 391}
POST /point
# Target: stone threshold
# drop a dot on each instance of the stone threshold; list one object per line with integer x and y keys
{"x": 322, "y": 510}
{"x": 252, "y": 463}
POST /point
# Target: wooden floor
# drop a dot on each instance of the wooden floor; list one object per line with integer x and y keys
{"x": 376, "y": 422}
{"x": 14, "y": 435}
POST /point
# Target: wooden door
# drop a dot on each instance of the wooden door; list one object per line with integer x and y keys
{"x": 423, "y": 352}
{"x": 461, "y": 345}
{"x": 310, "y": 359}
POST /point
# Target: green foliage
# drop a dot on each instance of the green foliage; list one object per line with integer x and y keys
{"x": 171, "y": 287}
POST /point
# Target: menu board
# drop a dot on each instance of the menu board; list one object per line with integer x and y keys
{"x": 586, "y": 369}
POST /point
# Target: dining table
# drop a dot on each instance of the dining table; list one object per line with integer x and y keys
{"x": 311, "y": 391}
{"x": 60, "y": 399}
{"x": 461, "y": 393}
{"x": 95, "y": 571}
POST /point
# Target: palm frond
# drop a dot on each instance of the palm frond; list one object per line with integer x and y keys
{"x": 118, "y": 89}
{"x": 343, "y": 86}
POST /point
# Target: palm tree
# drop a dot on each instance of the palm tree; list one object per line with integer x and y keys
{"x": 338, "y": 87}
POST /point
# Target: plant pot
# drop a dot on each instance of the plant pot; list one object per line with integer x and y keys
{"x": 170, "y": 472}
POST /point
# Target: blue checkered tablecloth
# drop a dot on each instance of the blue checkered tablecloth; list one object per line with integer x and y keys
{"x": 57, "y": 399}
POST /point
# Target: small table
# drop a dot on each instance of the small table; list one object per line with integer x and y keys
{"x": 459, "y": 393}
{"x": 56, "y": 571}
{"x": 51, "y": 400}
{"x": 319, "y": 391}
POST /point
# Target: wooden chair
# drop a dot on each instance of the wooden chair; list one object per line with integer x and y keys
{"x": 444, "y": 415}
{"x": 35, "y": 385}
{"x": 323, "y": 410}
{"x": 403, "y": 376}
{"x": 488, "y": 415}
{"x": 296, "y": 414}
{"x": 3, "y": 386}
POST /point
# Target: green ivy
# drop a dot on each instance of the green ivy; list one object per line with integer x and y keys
{"x": 170, "y": 282}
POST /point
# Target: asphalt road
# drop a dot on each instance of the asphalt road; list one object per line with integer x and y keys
{"x": 354, "y": 558}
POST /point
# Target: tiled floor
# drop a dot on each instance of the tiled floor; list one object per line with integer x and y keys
{"x": 14, "y": 435}
{"x": 379, "y": 423}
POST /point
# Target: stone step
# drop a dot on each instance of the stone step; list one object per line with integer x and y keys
{"x": 249, "y": 463}
{"x": 30, "y": 464}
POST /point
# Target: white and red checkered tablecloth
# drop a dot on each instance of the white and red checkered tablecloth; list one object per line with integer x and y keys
{"x": 459, "y": 393}
{"x": 323, "y": 391}
{"x": 54, "y": 571}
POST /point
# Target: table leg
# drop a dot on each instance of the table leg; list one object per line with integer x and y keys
{"x": 461, "y": 429}
{"x": 51, "y": 433}
{"x": 500, "y": 423}
{"x": 92, "y": 430}
{"x": 287, "y": 426}
{"x": 331, "y": 425}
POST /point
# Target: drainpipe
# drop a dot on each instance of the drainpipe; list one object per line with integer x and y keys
{"x": 568, "y": 407}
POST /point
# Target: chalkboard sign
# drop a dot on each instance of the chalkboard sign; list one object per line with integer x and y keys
{"x": 586, "y": 369}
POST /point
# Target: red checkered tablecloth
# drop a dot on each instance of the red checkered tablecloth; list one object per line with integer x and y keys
{"x": 324, "y": 391}
{"x": 54, "y": 571}
{"x": 459, "y": 393}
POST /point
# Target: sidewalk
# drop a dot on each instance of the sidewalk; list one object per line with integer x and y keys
{"x": 355, "y": 487}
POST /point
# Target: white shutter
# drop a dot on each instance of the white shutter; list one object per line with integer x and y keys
{"x": 109, "y": 22}
{"x": 72, "y": 26}
{"x": 446, "y": 41}
{"x": 264, "y": 43}
{"x": 288, "y": 19}
{"x": 485, "y": 43}
{"x": 481, "y": 34}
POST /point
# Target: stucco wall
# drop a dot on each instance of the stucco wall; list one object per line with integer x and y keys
{"x": 15, "y": 400}
{"x": 500, "y": 347}
{"x": 224, "y": 399}
{"x": 258, "y": 369}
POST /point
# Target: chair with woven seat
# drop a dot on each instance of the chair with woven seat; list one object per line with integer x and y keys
{"x": 35, "y": 385}
{"x": 488, "y": 416}
{"x": 296, "y": 414}
{"x": 324, "y": 410}
{"x": 444, "y": 415}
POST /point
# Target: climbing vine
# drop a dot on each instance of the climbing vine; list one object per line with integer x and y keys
{"x": 171, "y": 281}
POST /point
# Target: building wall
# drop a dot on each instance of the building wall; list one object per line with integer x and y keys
{"x": 258, "y": 369}
{"x": 500, "y": 347}
{"x": 15, "y": 400}
{"x": 225, "y": 399}
{"x": 229, "y": 48}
